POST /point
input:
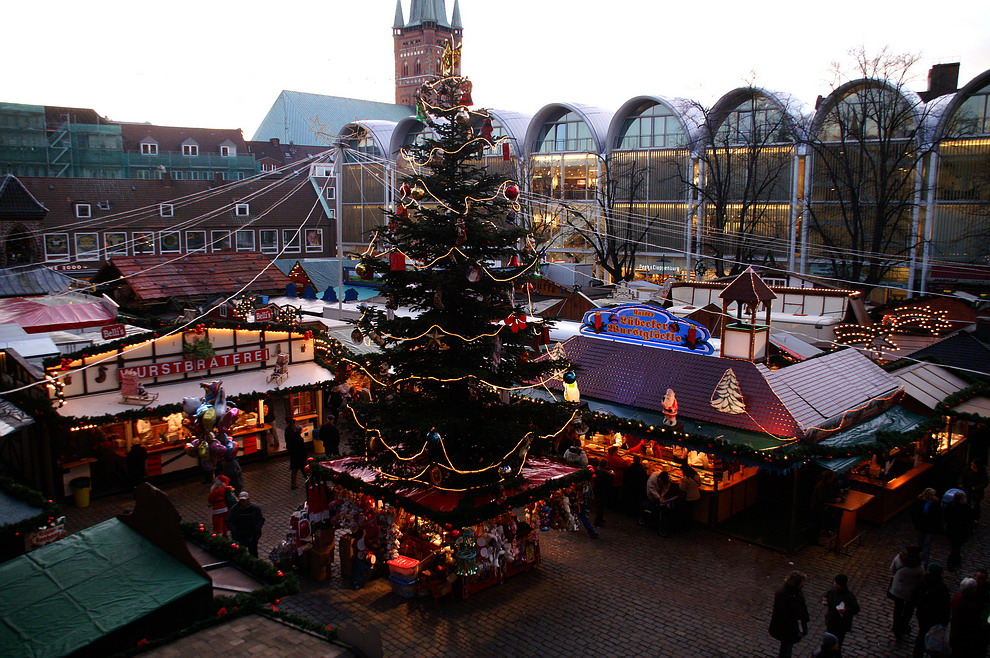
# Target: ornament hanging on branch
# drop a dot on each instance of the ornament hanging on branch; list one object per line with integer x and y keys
{"x": 462, "y": 117}
{"x": 487, "y": 129}
{"x": 473, "y": 274}
{"x": 461, "y": 233}
{"x": 511, "y": 192}
{"x": 571, "y": 392}
{"x": 438, "y": 300}
{"x": 357, "y": 337}
{"x": 466, "y": 88}
{"x": 417, "y": 192}
{"x": 364, "y": 271}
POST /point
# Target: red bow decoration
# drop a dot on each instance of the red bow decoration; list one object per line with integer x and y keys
{"x": 66, "y": 364}
{"x": 515, "y": 322}
{"x": 200, "y": 329}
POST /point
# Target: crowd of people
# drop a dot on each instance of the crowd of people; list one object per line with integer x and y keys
{"x": 947, "y": 625}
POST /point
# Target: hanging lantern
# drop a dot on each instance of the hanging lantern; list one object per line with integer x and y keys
{"x": 417, "y": 192}
{"x": 512, "y": 192}
{"x": 462, "y": 117}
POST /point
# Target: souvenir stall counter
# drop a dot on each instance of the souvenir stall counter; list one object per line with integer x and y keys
{"x": 727, "y": 487}
{"x": 439, "y": 542}
{"x": 894, "y": 478}
{"x": 134, "y": 394}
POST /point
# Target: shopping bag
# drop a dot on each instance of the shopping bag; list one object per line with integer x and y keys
{"x": 937, "y": 641}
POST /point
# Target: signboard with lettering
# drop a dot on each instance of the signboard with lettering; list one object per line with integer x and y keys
{"x": 191, "y": 365}
{"x": 264, "y": 314}
{"x": 643, "y": 324}
{"x": 45, "y": 536}
{"x": 112, "y": 331}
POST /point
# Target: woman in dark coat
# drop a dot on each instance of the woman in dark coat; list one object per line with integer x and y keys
{"x": 967, "y": 629}
{"x": 931, "y": 600}
{"x": 789, "y": 620}
{"x": 958, "y": 524}
{"x": 297, "y": 452}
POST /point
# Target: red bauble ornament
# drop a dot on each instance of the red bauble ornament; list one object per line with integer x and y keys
{"x": 405, "y": 189}
{"x": 401, "y": 211}
{"x": 512, "y": 192}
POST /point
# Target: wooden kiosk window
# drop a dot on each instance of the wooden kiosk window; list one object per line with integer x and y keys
{"x": 302, "y": 405}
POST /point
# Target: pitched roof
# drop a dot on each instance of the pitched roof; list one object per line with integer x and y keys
{"x": 171, "y": 138}
{"x": 300, "y": 118}
{"x": 929, "y": 384}
{"x": 283, "y": 154}
{"x": 748, "y": 287}
{"x": 961, "y": 350}
{"x": 639, "y": 376}
{"x": 16, "y": 202}
{"x": 821, "y": 390}
{"x": 154, "y": 278}
{"x": 30, "y": 281}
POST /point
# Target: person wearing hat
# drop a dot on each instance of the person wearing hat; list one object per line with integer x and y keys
{"x": 840, "y": 607}
{"x": 245, "y": 521}
{"x": 830, "y": 647}
{"x": 217, "y": 500}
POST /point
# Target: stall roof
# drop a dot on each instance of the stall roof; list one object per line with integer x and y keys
{"x": 12, "y": 419}
{"x": 234, "y": 384}
{"x": 30, "y": 346}
{"x": 69, "y": 311}
{"x": 928, "y": 383}
{"x": 895, "y": 419}
{"x": 979, "y": 406}
{"x": 638, "y": 376}
{"x": 820, "y": 390}
{"x": 34, "y": 280}
{"x": 797, "y": 348}
{"x": 65, "y": 596}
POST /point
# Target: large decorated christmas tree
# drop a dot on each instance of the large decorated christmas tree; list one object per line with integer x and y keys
{"x": 457, "y": 253}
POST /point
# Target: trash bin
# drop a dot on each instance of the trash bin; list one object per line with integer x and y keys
{"x": 318, "y": 447}
{"x": 80, "y": 490}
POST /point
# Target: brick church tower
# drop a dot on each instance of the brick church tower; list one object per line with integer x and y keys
{"x": 420, "y": 42}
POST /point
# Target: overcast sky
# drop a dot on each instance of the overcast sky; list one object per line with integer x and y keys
{"x": 220, "y": 64}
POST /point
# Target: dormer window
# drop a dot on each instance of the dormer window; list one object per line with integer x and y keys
{"x": 84, "y": 211}
{"x": 228, "y": 149}
{"x": 242, "y": 210}
{"x": 190, "y": 149}
{"x": 225, "y": 151}
{"x": 267, "y": 166}
{"x": 149, "y": 148}
{"x": 165, "y": 209}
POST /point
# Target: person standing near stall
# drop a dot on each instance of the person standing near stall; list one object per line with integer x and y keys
{"x": 245, "y": 520}
{"x": 840, "y": 607}
{"x": 330, "y": 437}
{"x": 906, "y": 572}
{"x": 789, "y": 619}
{"x": 931, "y": 600}
{"x": 296, "y": 447}
{"x": 958, "y": 518}
{"x": 974, "y": 482}
{"x": 217, "y": 500}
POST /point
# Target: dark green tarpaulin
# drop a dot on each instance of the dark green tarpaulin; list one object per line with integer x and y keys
{"x": 65, "y": 596}
{"x": 895, "y": 419}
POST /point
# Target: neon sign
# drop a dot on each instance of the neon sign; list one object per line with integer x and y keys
{"x": 647, "y": 325}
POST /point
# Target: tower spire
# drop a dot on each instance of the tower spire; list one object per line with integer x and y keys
{"x": 399, "y": 21}
{"x": 455, "y": 19}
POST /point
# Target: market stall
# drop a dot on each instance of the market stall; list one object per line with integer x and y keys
{"x": 120, "y": 404}
{"x": 439, "y": 542}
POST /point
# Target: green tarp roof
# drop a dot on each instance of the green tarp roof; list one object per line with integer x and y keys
{"x": 65, "y": 596}
{"x": 895, "y": 419}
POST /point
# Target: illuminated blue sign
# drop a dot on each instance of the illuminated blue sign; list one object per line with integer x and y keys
{"x": 647, "y": 325}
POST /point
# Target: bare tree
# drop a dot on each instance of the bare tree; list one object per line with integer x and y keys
{"x": 616, "y": 233}
{"x": 867, "y": 149}
{"x": 742, "y": 179}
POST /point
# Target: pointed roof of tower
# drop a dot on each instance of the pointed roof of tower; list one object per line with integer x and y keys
{"x": 399, "y": 21}
{"x": 422, "y": 11}
{"x": 748, "y": 287}
{"x": 455, "y": 20}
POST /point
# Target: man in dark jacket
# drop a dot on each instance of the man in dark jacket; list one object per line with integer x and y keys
{"x": 840, "y": 607}
{"x": 789, "y": 620}
{"x": 330, "y": 437}
{"x": 245, "y": 521}
{"x": 296, "y": 447}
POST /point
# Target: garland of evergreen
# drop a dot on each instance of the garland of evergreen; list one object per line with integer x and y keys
{"x": 49, "y": 510}
{"x": 465, "y": 514}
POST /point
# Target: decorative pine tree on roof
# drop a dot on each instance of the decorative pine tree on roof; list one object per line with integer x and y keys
{"x": 456, "y": 251}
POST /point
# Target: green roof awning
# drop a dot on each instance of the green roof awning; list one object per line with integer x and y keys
{"x": 895, "y": 419}
{"x": 65, "y": 596}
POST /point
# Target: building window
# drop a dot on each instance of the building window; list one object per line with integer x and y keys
{"x": 56, "y": 246}
{"x": 165, "y": 210}
{"x": 190, "y": 149}
{"x": 220, "y": 240}
{"x": 314, "y": 239}
{"x": 244, "y": 240}
{"x": 267, "y": 166}
{"x": 177, "y": 175}
{"x": 115, "y": 243}
{"x": 87, "y": 246}
{"x": 225, "y": 151}
{"x": 268, "y": 239}
{"x": 651, "y": 125}
{"x": 170, "y": 242}
{"x": 148, "y": 148}
{"x": 144, "y": 242}
{"x": 195, "y": 241}
{"x": 290, "y": 238}
{"x": 84, "y": 211}
{"x": 242, "y": 210}
{"x": 568, "y": 132}
{"x": 330, "y": 192}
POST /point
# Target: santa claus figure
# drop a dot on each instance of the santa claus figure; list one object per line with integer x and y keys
{"x": 669, "y": 405}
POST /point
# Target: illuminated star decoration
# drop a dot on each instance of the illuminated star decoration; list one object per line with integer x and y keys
{"x": 322, "y": 131}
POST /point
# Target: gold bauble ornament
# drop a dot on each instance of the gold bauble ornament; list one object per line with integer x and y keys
{"x": 417, "y": 192}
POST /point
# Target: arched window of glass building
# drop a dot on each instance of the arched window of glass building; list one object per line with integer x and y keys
{"x": 868, "y": 113}
{"x": 568, "y": 132}
{"x": 416, "y": 136}
{"x": 361, "y": 140}
{"x": 651, "y": 125}
{"x": 755, "y": 121}
{"x": 973, "y": 116}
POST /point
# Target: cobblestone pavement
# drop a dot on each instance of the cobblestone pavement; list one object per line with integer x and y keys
{"x": 628, "y": 593}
